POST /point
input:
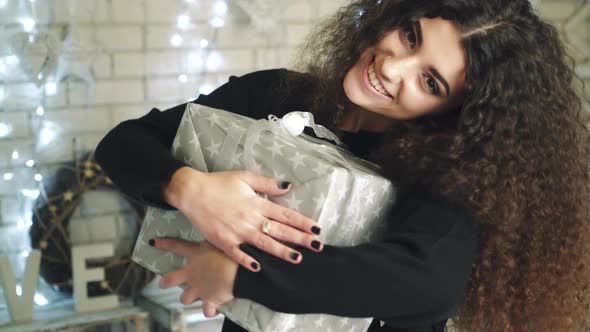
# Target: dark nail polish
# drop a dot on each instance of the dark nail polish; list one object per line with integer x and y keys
{"x": 315, "y": 244}
{"x": 315, "y": 230}
{"x": 152, "y": 242}
{"x": 254, "y": 265}
{"x": 284, "y": 184}
{"x": 294, "y": 256}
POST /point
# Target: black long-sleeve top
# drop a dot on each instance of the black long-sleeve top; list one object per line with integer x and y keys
{"x": 412, "y": 280}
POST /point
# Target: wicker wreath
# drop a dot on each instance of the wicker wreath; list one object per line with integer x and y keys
{"x": 49, "y": 231}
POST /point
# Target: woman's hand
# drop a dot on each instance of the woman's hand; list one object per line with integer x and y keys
{"x": 226, "y": 209}
{"x": 208, "y": 275}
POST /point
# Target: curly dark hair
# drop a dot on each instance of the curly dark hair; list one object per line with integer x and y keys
{"x": 515, "y": 154}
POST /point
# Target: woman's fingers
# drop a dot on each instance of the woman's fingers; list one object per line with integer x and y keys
{"x": 268, "y": 244}
{"x": 290, "y": 217}
{"x": 263, "y": 184}
{"x": 209, "y": 309}
{"x": 189, "y": 295}
{"x": 289, "y": 234}
{"x": 174, "y": 278}
{"x": 177, "y": 246}
{"x": 245, "y": 260}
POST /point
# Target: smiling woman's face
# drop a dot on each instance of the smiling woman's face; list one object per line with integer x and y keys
{"x": 412, "y": 71}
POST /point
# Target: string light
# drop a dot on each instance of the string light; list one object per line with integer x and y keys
{"x": 8, "y": 176}
{"x": 183, "y": 21}
{"x": 12, "y": 60}
{"x": 220, "y": 8}
{"x": 25, "y": 254}
{"x": 216, "y": 22}
{"x": 176, "y": 40}
{"x": 14, "y": 155}
{"x": 50, "y": 88}
{"x": 204, "y": 43}
{"x": 40, "y": 299}
{"x": 31, "y": 193}
{"x": 182, "y": 78}
{"x": 19, "y": 290}
{"x": 5, "y": 129}
{"x": 40, "y": 110}
{"x": 28, "y": 24}
{"x": 2, "y": 66}
{"x": 46, "y": 135}
{"x": 30, "y": 163}
{"x": 38, "y": 177}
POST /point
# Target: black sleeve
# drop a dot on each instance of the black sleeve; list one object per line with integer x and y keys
{"x": 415, "y": 274}
{"x": 136, "y": 153}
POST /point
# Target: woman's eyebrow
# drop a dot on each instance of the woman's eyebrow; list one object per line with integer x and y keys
{"x": 435, "y": 73}
{"x": 441, "y": 79}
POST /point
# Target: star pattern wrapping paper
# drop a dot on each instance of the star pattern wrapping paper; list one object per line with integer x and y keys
{"x": 350, "y": 202}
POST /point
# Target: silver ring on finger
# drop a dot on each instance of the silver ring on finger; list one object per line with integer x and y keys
{"x": 266, "y": 227}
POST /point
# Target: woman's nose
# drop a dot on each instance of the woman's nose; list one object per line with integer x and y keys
{"x": 396, "y": 69}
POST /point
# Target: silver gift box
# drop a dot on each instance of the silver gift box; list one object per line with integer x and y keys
{"x": 343, "y": 193}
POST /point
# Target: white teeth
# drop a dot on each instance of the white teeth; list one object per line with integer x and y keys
{"x": 375, "y": 82}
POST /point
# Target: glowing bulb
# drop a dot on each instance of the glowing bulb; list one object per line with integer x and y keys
{"x": 50, "y": 88}
{"x": 46, "y": 135}
{"x": 40, "y": 299}
{"x": 19, "y": 290}
{"x": 40, "y": 110}
{"x": 40, "y": 76}
{"x": 204, "y": 43}
{"x": 220, "y": 7}
{"x": 214, "y": 62}
{"x": 30, "y": 163}
{"x": 5, "y": 129}
{"x": 176, "y": 40}
{"x": 183, "y": 21}
{"x": 12, "y": 60}
{"x": 205, "y": 89}
{"x": 182, "y": 78}
{"x": 8, "y": 176}
{"x": 25, "y": 254}
{"x": 31, "y": 193}
{"x": 28, "y": 24}
{"x": 14, "y": 155}
{"x": 38, "y": 177}
{"x": 216, "y": 22}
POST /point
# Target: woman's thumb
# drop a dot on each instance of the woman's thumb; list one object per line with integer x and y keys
{"x": 265, "y": 185}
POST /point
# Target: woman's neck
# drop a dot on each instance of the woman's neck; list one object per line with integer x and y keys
{"x": 354, "y": 119}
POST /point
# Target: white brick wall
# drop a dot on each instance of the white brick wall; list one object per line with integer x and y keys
{"x": 136, "y": 68}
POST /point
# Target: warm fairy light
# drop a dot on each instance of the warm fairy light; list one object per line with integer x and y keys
{"x": 15, "y": 155}
{"x": 183, "y": 21}
{"x": 30, "y": 163}
{"x": 40, "y": 110}
{"x": 176, "y": 40}
{"x": 8, "y": 176}
{"x": 182, "y": 78}
{"x": 204, "y": 43}
{"x": 28, "y": 24}
{"x": 50, "y": 88}
{"x": 219, "y": 7}
{"x": 38, "y": 177}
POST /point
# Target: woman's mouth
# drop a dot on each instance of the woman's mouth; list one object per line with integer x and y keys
{"x": 373, "y": 83}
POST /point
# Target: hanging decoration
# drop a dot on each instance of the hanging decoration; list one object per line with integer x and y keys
{"x": 37, "y": 53}
{"x": 49, "y": 232}
{"x": 265, "y": 15}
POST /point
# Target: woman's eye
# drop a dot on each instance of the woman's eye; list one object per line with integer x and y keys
{"x": 411, "y": 37}
{"x": 432, "y": 85}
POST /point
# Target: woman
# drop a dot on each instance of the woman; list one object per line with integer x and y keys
{"x": 471, "y": 110}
